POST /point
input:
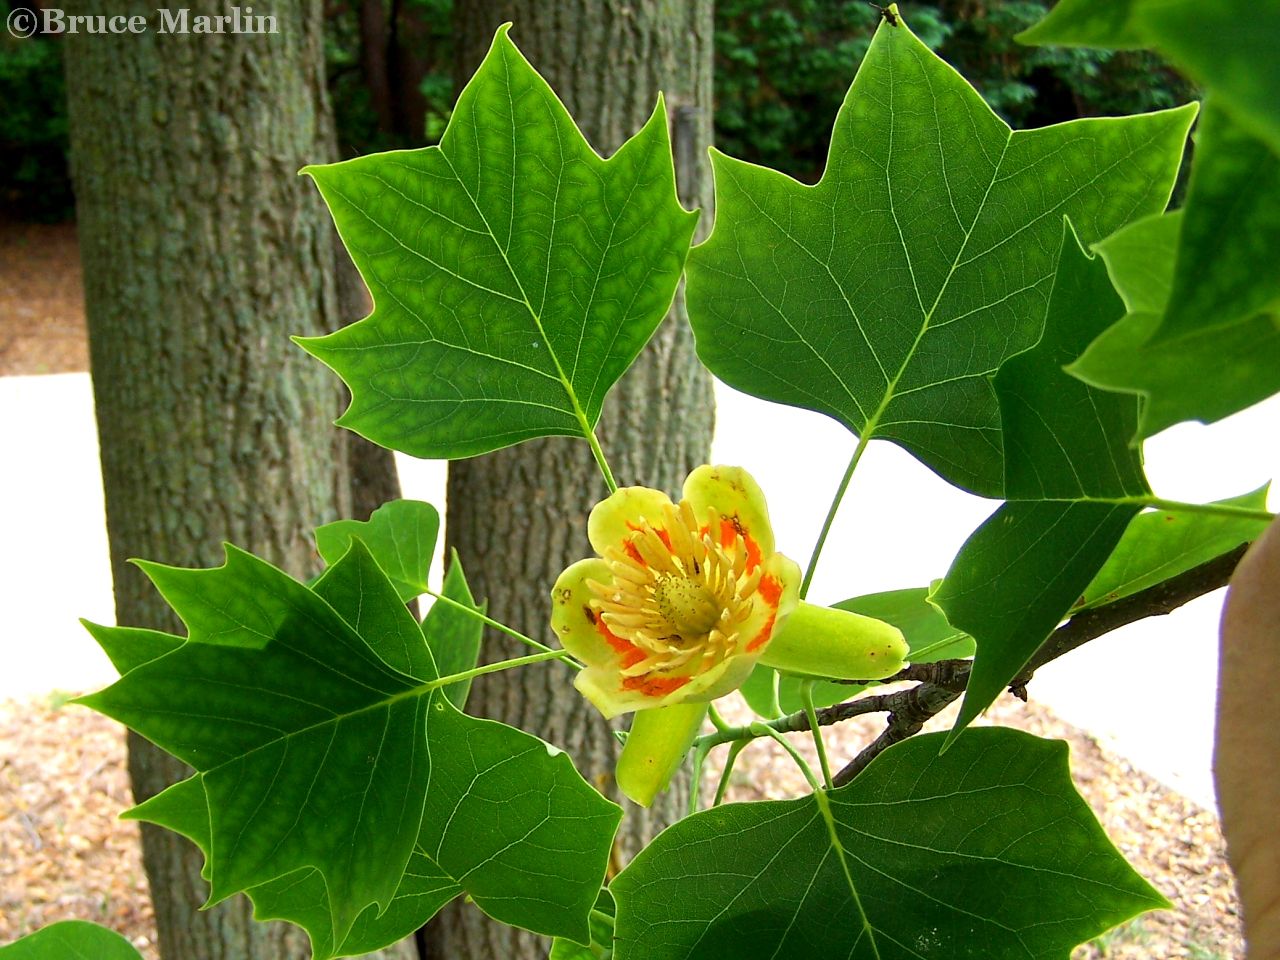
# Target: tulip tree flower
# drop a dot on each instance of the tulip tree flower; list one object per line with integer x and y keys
{"x": 681, "y": 603}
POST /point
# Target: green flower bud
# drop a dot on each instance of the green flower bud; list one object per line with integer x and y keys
{"x": 655, "y": 748}
{"x": 826, "y": 642}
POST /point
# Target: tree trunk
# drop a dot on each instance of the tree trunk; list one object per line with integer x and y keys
{"x": 518, "y": 517}
{"x": 203, "y": 250}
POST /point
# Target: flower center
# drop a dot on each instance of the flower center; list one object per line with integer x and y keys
{"x": 680, "y": 590}
{"x": 691, "y": 607}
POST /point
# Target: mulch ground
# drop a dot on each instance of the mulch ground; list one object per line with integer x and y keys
{"x": 63, "y": 781}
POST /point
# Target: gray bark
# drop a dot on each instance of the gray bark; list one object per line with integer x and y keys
{"x": 202, "y": 251}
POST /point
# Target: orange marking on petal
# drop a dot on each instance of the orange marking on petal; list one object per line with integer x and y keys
{"x": 753, "y": 552}
{"x": 654, "y": 686}
{"x": 728, "y": 532}
{"x": 634, "y": 553}
{"x": 665, "y": 538}
{"x": 762, "y": 637}
{"x": 621, "y": 646}
{"x": 632, "y": 657}
{"x": 770, "y": 590}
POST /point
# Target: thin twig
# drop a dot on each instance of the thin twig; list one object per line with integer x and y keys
{"x": 944, "y": 681}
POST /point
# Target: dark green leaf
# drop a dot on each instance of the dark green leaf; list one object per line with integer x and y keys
{"x": 601, "y": 946}
{"x": 71, "y": 940}
{"x": 401, "y": 535}
{"x": 283, "y": 706}
{"x": 316, "y": 722}
{"x": 515, "y": 274}
{"x": 1229, "y": 46}
{"x": 371, "y": 605}
{"x": 986, "y": 851}
{"x": 1065, "y": 440}
{"x": 1016, "y": 578}
{"x": 1158, "y": 545}
{"x": 452, "y": 635}
{"x": 929, "y": 638}
{"x": 888, "y": 294}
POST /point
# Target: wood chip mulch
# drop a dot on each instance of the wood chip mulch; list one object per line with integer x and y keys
{"x": 64, "y": 854}
{"x": 42, "y": 326}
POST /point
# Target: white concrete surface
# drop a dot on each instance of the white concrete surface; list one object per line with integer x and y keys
{"x": 899, "y": 527}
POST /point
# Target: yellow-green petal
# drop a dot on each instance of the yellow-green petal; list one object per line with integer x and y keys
{"x": 734, "y": 495}
{"x": 572, "y": 619}
{"x": 826, "y": 642}
{"x": 774, "y": 600}
{"x": 619, "y": 514}
{"x": 656, "y": 748}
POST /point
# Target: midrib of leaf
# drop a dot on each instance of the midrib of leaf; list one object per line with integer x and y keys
{"x": 587, "y": 432}
{"x": 824, "y": 807}
{"x": 417, "y": 690}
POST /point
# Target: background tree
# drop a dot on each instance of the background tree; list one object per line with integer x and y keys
{"x": 202, "y": 251}
{"x": 518, "y": 517}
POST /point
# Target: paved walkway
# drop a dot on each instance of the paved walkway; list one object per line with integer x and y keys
{"x": 899, "y": 527}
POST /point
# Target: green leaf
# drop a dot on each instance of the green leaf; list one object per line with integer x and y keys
{"x": 888, "y": 294}
{"x": 1088, "y": 23}
{"x": 284, "y": 707}
{"x": 1140, "y": 260}
{"x": 337, "y": 721}
{"x": 601, "y": 946}
{"x": 515, "y": 274}
{"x": 986, "y": 851}
{"x": 300, "y": 897}
{"x": 1158, "y": 545}
{"x": 1226, "y": 265}
{"x": 454, "y": 636}
{"x": 401, "y": 535}
{"x": 1065, "y": 440}
{"x": 928, "y": 634}
{"x": 1015, "y": 579}
{"x": 1203, "y": 377}
{"x": 71, "y": 940}
{"x": 129, "y": 647}
{"x": 1228, "y": 46}
{"x": 1205, "y": 374}
{"x": 1069, "y": 463}
{"x": 358, "y": 588}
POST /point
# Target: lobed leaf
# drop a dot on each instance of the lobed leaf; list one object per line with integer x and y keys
{"x": 986, "y": 851}
{"x": 887, "y": 295}
{"x": 1065, "y": 440}
{"x": 336, "y": 784}
{"x": 1205, "y": 373}
{"x": 1070, "y": 464}
{"x": 1015, "y": 579}
{"x": 401, "y": 536}
{"x": 515, "y": 274}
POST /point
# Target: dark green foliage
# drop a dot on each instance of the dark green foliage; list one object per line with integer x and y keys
{"x": 782, "y": 70}
{"x": 34, "y": 180}
{"x": 417, "y": 61}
